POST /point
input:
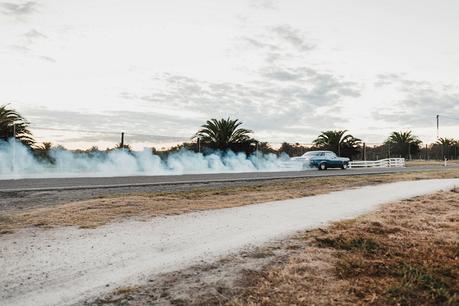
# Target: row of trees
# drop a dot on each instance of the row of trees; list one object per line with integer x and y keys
{"x": 227, "y": 134}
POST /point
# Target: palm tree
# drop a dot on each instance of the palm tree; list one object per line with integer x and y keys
{"x": 42, "y": 152}
{"x": 404, "y": 143}
{"x": 448, "y": 147}
{"x": 13, "y": 124}
{"x": 224, "y": 134}
{"x": 340, "y": 142}
{"x": 294, "y": 149}
{"x": 446, "y": 141}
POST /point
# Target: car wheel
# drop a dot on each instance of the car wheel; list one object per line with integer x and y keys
{"x": 344, "y": 167}
{"x": 323, "y": 166}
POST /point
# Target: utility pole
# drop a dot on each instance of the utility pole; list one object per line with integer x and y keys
{"x": 122, "y": 140}
{"x": 199, "y": 145}
{"x": 14, "y": 147}
{"x": 438, "y": 126}
{"x": 257, "y": 149}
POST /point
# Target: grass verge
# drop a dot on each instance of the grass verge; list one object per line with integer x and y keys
{"x": 96, "y": 212}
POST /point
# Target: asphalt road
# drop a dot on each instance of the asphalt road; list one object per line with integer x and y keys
{"x": 78, "y": 183}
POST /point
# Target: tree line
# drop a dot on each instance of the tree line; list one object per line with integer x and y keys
{"x": 228, "y": 134}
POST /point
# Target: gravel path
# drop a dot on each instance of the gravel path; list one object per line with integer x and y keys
{"x": 64, "y": 266}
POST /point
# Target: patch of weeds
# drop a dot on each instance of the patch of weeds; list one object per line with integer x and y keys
{"x": 366, "y": 245}
{"x": 350, "y": 266}
{"x": 415, "y": 282}
{"x": 125, "y": 290}
{"x": 5, "y": 219}
{"x": 261, "y": 254}
{"x": 41, "y": 224}
{"x": 179, "y": 302}
{"x": 381, "y": 229}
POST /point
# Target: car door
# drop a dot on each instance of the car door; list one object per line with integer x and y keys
{"x": 322, "y": 158}
{"x": 333, "y": 160}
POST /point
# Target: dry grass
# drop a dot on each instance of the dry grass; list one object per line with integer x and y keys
{"x": 420, "y": 162}
{"x": 96, "y": 212}
{"x": 405, "y": 254}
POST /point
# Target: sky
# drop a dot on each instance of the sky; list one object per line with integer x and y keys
{"x": 84, "y": 71}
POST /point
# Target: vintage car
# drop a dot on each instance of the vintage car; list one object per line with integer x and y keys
{"x": 322, "y": 160}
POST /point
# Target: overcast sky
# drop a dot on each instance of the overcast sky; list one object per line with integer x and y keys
{"x": 288, "y": 69}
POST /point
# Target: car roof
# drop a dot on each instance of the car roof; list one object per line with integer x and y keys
{"x": 320, "y": 151}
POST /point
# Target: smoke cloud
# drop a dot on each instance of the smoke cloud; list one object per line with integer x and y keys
{"x": 17, "y": 161}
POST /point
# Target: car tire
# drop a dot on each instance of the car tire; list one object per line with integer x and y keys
{"x": 323, "y": 166}
{"x": 344, "y": 167}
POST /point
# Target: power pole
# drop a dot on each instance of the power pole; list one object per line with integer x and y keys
{"x": 14, "y": 147}
{"x": 438, "y": 126}
{"x": 122, "y": 140}
{"x": 257, "y": 149}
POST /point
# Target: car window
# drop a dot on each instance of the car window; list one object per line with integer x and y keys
{"x": 311, "y": 153}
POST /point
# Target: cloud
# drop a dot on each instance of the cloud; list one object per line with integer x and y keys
{"x": 420, "y": 102}
{"x": 46, "y": 58}
{"x": 260, "y": 44}
{"x": 279, "y": 41}
{"x": 386, "y": 79}
{"x": 107, "y": 126}
{"x": 263, "y": 4}
{"x": 292, "y": 36}
{"x": 17, "y": 10}
{"x": 32, "y": 34}
{"x": 26, "y": 44}
{"x": 283, "y": 101}
{"x": 383, "y": 80}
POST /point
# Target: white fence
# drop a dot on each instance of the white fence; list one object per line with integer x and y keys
{"x": 382, "y": 163}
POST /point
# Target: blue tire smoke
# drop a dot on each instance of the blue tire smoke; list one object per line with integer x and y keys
{"x": 17, "y": 161}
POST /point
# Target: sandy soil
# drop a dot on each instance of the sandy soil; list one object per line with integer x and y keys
{"x": 63, "y": 266}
